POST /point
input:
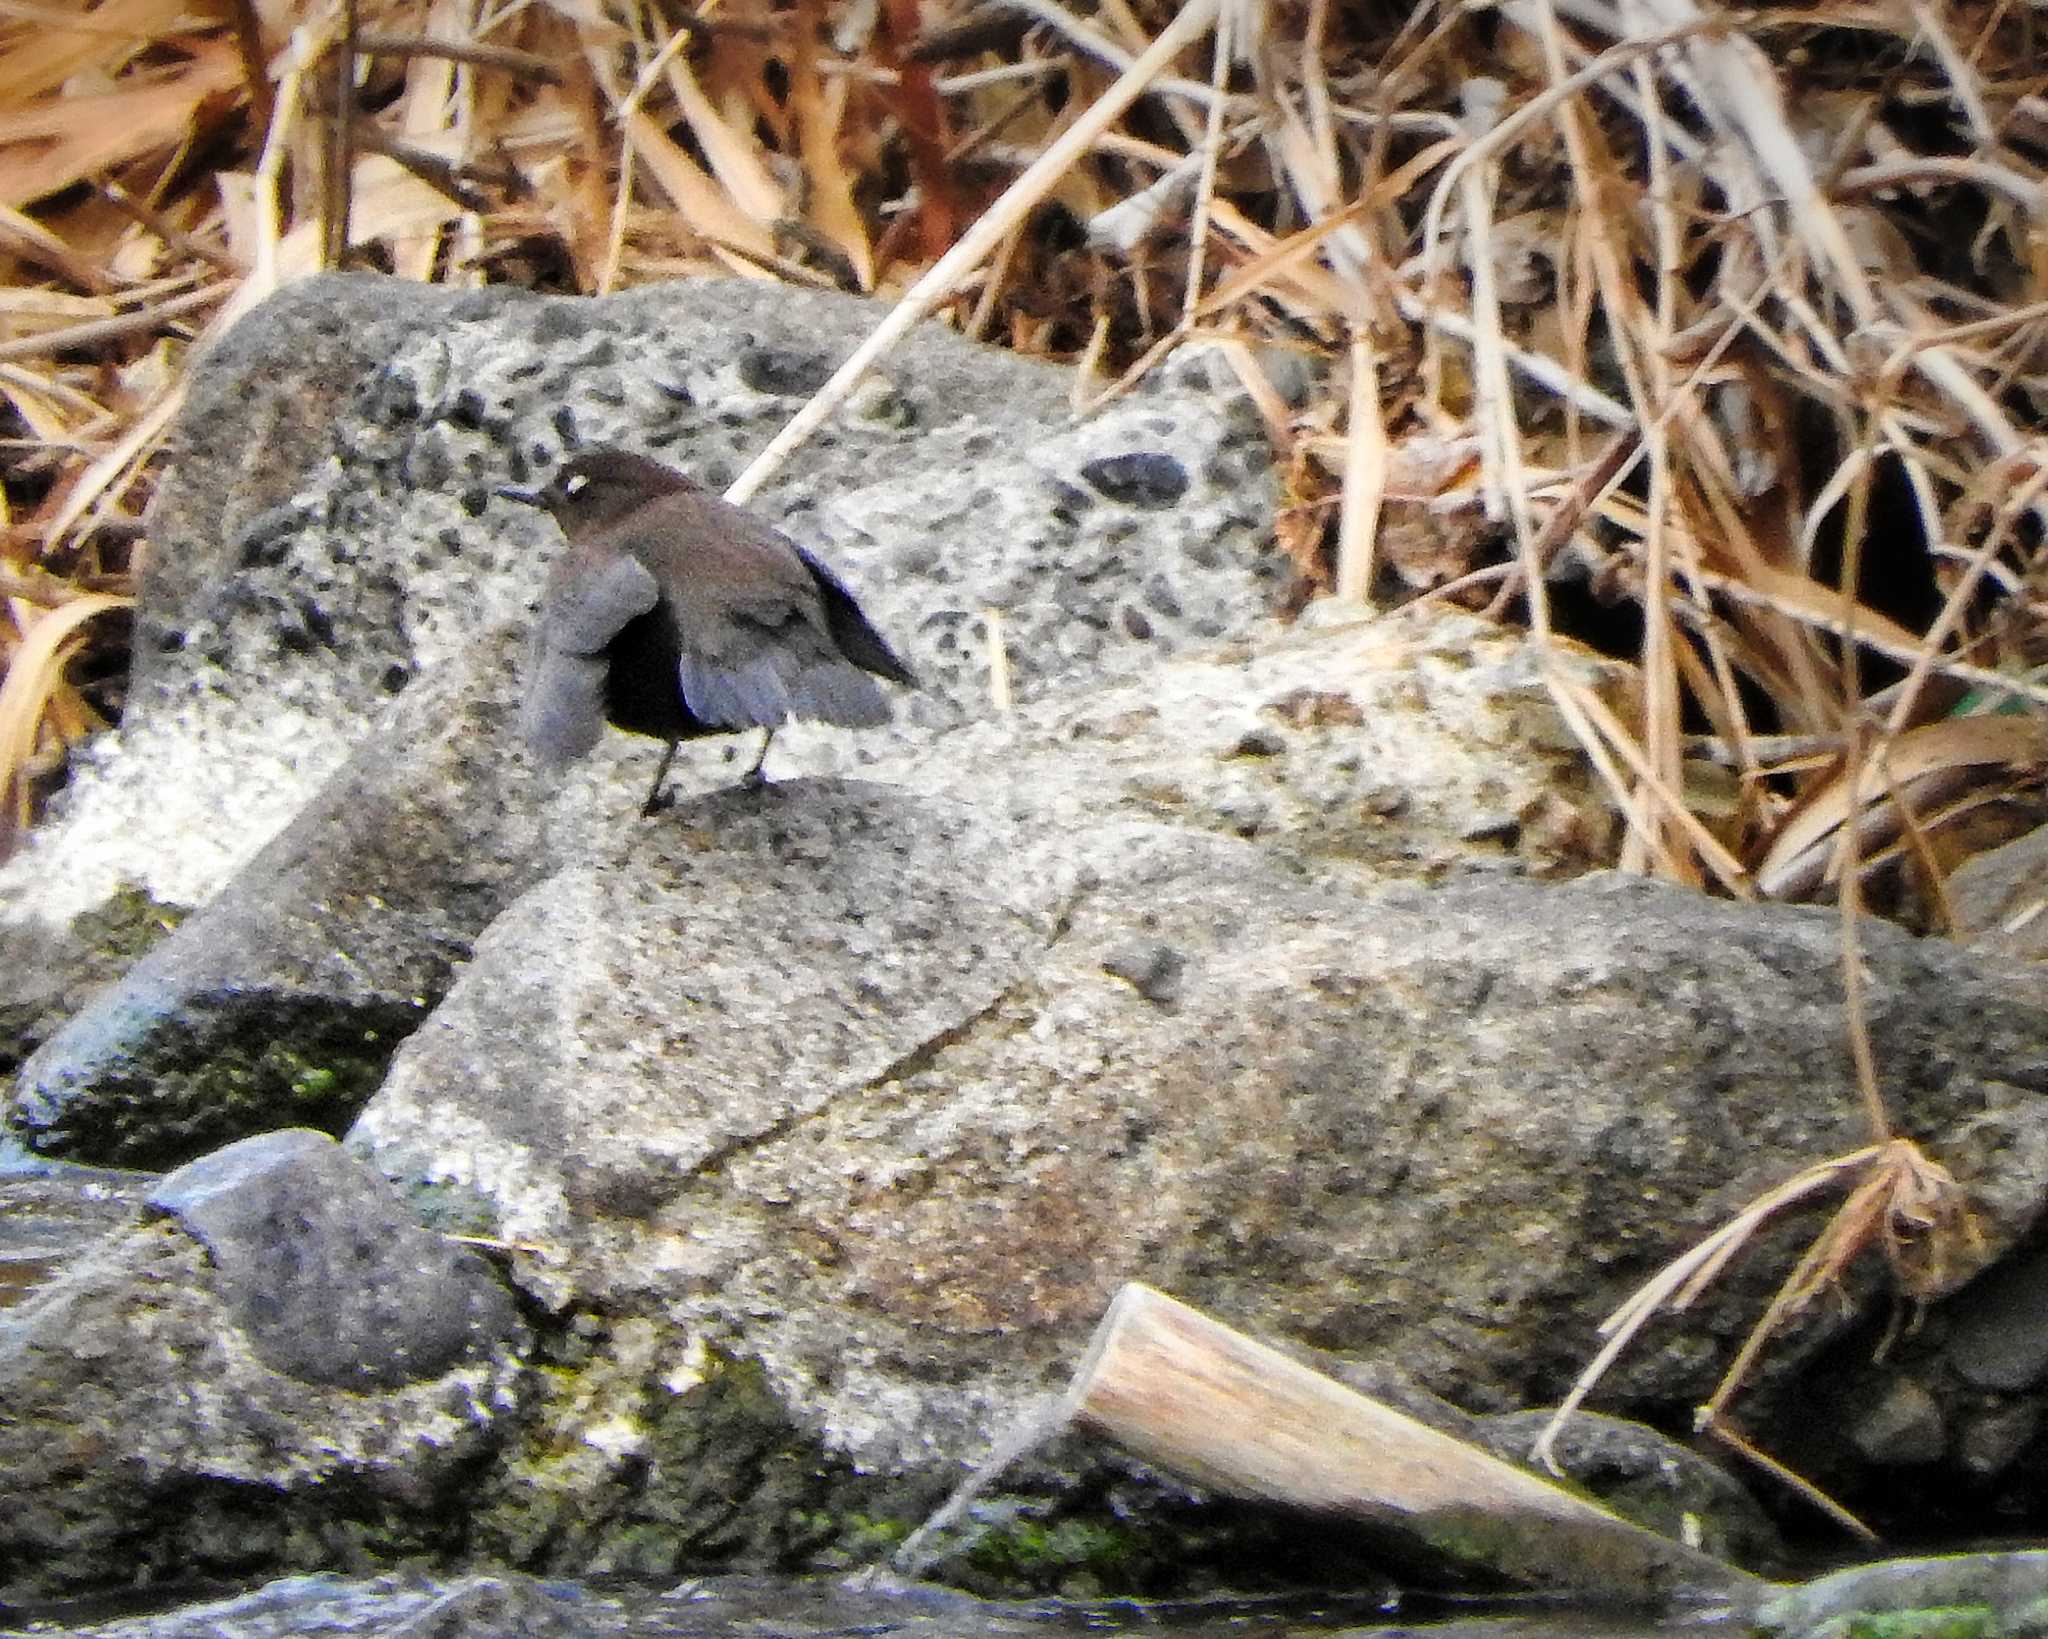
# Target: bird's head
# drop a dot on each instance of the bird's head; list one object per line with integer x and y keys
{"x": 599, "y": 487}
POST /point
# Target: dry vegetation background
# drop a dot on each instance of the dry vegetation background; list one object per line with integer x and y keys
{"x": 1716, "y": 337}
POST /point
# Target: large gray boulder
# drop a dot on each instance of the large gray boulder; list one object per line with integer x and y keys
{"x": 886, "y": 1094}
{"x": 326, "y": 533}
{"x": 318, "y": 741}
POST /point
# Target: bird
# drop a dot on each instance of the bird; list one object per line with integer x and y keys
{"x": 675, "y": 614}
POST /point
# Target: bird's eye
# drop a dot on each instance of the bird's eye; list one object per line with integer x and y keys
{"x": 575, "y": 483}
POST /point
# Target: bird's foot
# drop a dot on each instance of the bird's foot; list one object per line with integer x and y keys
{"x": 656, "y": 800}
{"x": 754, "y": 779}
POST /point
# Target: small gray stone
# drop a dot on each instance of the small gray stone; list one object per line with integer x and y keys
{"x": 1999, "y": 1337}
{"x": 1258, "y": 742}
{"x": 1144, "y": 478}
{"x": 1902, "y": 1425}
{"x": 1992, "y": 1441}
{"x": 329, "y": 1275}
{"x": 1155, "y": 971}
{"x": 785, "y": 371}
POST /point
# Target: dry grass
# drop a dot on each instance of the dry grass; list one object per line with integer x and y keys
{"x": 1722, "y": 336}
{"x": 1897, "y": 1202}
{"x": 1719, "y": 335}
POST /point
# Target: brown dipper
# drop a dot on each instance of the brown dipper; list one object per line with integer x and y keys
{"x": 675, "y": 614}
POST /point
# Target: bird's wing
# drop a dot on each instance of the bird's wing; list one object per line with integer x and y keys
{"x": 562, "y": 715}
{"x": 583, "y": 609}
{"x": 588, "y": 605}
{"x": 756, "y": 640}
{"x": 851, "y": 632}
{"x": 772, "y": 685}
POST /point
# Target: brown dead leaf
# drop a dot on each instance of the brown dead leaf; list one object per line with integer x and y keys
{"x": 1925, "y": 768}
{"x": 47, "y": 146}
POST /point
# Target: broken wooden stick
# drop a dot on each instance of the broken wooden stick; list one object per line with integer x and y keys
{"x": 1205, "y": 1402}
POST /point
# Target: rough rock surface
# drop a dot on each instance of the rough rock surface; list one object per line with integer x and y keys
{"x": 327, "y": 533}
{"x": 282, "y": 1000}
{"x": 147, "y": 1435}
{"x": 718, "y": 1084}
{"x": 1416, "y": 746}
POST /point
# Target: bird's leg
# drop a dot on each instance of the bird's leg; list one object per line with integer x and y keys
{"x": 754, "y": 778}
{"x": 656, "y": 802}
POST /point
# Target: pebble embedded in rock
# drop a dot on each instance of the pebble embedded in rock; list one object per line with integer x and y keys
{"x": 1257, "y": 742}
{"x": 1155, "y": 971}
{"x": 325, "y": 1269}
{"x": 1142, "y": 479}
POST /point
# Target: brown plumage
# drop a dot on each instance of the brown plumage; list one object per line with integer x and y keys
{"x": 673, "y": 613}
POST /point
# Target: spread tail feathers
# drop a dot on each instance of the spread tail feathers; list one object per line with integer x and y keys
{"x": 770, "y": 689}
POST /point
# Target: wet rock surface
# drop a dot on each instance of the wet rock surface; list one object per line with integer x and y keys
{"x": 147, "y": 1439}
{"x": 509, "y": 1606}
{"x": 51, "y": 1212}
{"x": 49, "y": 971}
{"x": 1990, "y": 1593}
{"x": 281, "y": 1001}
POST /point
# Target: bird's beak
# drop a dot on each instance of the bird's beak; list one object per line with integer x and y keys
{"x": 513, "y": 492}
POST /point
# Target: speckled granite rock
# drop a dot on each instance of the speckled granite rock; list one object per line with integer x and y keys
{"x": 316, "y": 741}
{"x": 327, "y": 532}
